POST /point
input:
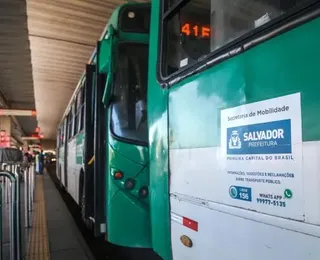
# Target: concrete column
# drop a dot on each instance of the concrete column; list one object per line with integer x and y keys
{"x": 5, "y": 125}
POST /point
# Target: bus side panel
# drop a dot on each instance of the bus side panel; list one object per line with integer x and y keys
{"x": 73, "y": 170}
{"x": 228, "y": 237}
{"x": 158, "y": 147}
{"x": 128, "y": 218}
{"x": 60, "y": 166}
{"x": 240, "y": 199}
{"x": 225, "y": 232}
{"x": 65, "y": 155}
{"x": 58, "y": 146}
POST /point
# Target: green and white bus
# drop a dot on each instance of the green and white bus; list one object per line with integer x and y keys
{"x": 223, "y": 163}
{"x": 233, "y": 104}
{"x": 103, "y": 150}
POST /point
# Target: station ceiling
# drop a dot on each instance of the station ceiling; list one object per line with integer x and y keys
{"x": 16, "y": 84}
{"x": 45, "y": 45}
{"x": 62, "y": 34}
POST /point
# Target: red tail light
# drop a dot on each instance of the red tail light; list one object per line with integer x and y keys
{"x": 118, "y": 175}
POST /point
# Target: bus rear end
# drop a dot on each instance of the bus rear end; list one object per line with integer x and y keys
{"x": 123, "y": 59}
{"x": 234, "y": 135}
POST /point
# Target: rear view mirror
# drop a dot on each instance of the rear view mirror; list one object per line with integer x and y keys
{"x": 105, "y": 65}
{"x": 104, "y": 56}
{"x": 107, "y": 96}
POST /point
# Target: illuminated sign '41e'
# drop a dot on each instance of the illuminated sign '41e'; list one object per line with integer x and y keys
{"x": 196, "y": 30}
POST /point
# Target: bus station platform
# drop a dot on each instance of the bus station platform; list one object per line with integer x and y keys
{"x": 46, "y": 225}
{"x": 52, "y": 233}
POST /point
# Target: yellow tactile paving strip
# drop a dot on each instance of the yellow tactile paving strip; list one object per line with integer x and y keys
{"x": 38, "y": 248}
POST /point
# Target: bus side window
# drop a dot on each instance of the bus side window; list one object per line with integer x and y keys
{"x": 81, "y": 108}
{"x": 79, "y": 111}
{"x": 70, "y": 124}
{"x": 76, "y": 112}
{"x": 199, "y": 27}
{"x": 73, "y": 119}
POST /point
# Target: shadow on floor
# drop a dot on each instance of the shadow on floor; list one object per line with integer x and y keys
{"x": 100, "y": 248}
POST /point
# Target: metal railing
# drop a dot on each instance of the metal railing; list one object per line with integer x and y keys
{"x": 10, "y": 176}
{"x": 29, "y": 181}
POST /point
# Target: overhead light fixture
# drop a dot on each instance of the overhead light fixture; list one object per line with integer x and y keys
{"x": 26, "y": 138}
{"x": 17, "y": 112}
{"x": 131, "y": 15}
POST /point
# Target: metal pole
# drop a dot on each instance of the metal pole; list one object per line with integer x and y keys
{"x": 5, "y": 186}
{"x": 1, "y": 212}
{"x": 17, "y": 222}
{"x": 11, "y": 217}
{"x": 26, "y": 198}
{"x": 8, "y": 191}
{"x": 15, "y": 242}
{"x": 1, "y": 218}
{"x": 5, "y": 190}
{"x": 18, "y": 216}
{"x": 12, "y": 221}
{"x": 9, "y": 207}
{"x": 30, "y": 189}
{"x": 33, "y": 181}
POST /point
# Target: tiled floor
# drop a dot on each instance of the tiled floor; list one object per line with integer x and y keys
{"x": 38, "y": 248}
{"x": 54, "y": 235}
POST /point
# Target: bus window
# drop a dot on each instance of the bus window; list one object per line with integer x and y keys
{"x": 82, "y": 107}
{"x": 73, "y": 109}
{"x": 129, "y": 118}
{"x": 93, "y": 98}
{"x": 199, "y": 27}
{"x": 76, "y": 118}
{"x": 70, "y": 124}
{"x": 79, "y": 108}
{"x": 61, "y": 135}
{"x": 64, "y": 129}
{"x": 62, "y": 132}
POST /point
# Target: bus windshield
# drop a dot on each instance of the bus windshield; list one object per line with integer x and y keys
{"x": 129, "y": 109}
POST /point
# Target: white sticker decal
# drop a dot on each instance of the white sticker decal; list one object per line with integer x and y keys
{"x": 262, "y": 20}
{"x": 184, "y": 62}
{"x": 262, "y": 146}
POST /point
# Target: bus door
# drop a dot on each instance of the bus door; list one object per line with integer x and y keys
{"x": 100, "y": 158}
{"x": 58, "y": 145}
{"x": 87, "y": 184}
{"x": 65, "y": 154}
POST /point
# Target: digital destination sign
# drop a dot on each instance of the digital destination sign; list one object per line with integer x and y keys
{"x": 195, "y": 30}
